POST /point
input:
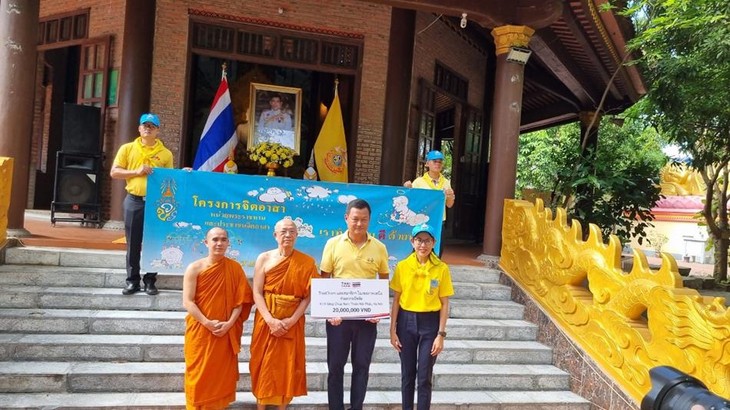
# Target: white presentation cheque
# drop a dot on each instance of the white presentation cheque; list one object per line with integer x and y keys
{"x": 350, "y": 298}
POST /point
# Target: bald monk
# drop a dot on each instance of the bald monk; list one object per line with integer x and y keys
{"x": 218, "y": 299}
{"x": 281, "y": 284}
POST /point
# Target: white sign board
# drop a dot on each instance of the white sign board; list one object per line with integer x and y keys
{"x": 350, "y": 298}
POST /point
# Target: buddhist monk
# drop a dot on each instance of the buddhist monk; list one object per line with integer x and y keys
{"x": 218, "y": 299}
{"x": 281, "y": 285}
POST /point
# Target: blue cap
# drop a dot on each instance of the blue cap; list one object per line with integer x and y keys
{"x": 434, "y": 155}
{"x": 151, "y": 118}
{"x": 423, "y": 228}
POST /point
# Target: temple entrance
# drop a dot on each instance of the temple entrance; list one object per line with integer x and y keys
{"x": 293, "y": 63}
{"x": 317, "y": 92}
{"x": 452, "y": 126}
{"x": 58, "y": 86}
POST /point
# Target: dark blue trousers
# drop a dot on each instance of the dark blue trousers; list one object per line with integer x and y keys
{"x": 416, "y": 332}
{"x": 133, "y": 228}
{"x": 361, "y": 335}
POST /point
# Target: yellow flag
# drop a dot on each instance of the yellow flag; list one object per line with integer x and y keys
{"x": 330, "y": 150}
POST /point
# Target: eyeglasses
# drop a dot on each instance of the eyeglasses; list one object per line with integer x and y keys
{"x": 419, "y": 241}
{"x": 291, "y": 232}
{"x": 149, "y": 126}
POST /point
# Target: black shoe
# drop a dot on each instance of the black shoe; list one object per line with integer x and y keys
{"x": 151, "y": 289}
{"x": 130, "y": 289}
{"x": 149, "y": 283}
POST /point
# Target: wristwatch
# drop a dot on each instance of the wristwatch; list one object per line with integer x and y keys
{"x": 442, "y": 334}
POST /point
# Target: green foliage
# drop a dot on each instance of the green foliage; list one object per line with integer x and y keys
{"x": 612, "y": 187}
{"x": 684, "y": 49}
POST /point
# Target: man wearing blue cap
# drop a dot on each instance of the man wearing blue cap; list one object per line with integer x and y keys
{"x": 434, "y": 179}
{"x": 134, "y": 161}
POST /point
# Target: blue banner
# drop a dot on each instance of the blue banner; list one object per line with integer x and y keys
{"x": 182, "y": 206}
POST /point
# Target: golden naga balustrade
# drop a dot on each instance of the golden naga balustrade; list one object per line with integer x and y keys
{"x": 628, "y": 322}
{"x": 6, "y": 182}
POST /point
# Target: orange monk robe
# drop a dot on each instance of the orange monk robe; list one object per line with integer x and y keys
{"x": 211, "y": 363}
{"x": 277, "y": 364}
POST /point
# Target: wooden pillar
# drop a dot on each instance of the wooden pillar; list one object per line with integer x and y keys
{"x": 135, "y": 83}
{"x": 506, "y": 116}
{"x": 18, "y": 39}
{"x": 397, "y": 95}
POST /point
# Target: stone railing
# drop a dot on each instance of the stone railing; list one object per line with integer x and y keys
{"x": 6, "y": 182}
{"x": 628, "y": 322}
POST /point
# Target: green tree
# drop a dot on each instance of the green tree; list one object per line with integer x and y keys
{"x": 614, "y": 186}
{"x": 684, "y": 48}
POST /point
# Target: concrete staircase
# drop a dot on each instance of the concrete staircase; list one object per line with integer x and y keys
{"x": 70, "y": 339}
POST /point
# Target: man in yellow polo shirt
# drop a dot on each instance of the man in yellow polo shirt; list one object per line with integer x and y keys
{"x": 352, "y": 255}
{"x": 134, "y": 161}
{"x": 434, "y": 179}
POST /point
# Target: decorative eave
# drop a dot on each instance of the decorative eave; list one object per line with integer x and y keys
{"x": 617, "y": 36}
{"x": 277, "y": 24}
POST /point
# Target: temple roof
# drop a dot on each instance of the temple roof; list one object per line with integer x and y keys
{"x": 577, "y": 48}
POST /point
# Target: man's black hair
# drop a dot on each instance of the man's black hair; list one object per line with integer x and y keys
{"x": 359, "y": 204}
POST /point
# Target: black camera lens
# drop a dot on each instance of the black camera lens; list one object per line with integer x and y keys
{"x": 674, "y": 390}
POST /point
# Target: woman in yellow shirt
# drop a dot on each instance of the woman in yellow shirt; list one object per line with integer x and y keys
{"x": 421, "y": 286}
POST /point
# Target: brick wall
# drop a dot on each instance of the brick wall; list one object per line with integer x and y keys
{"x": 371, "y": 20}
{"x": 440, "y": 42}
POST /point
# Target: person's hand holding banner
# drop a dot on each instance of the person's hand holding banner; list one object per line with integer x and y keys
{"x": 350, "y": 298}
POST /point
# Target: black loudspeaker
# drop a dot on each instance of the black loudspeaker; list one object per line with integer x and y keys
{"x": 81, "y": 129}
{"x": 76, "y": 188}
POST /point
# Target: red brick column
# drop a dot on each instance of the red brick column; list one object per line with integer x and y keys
{"x": 18, "y": 38}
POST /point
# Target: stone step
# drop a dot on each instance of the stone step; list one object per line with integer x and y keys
{"x": 70, "y": 339}
{"x": 50, "y": 256}
{"x": 87, "y": 377}
{"x": 112, "y": 260}
{"x": 144, "y": 348}
{"x": 40, "y": 297}
{"x": 82, "y": 278}
{"x": 78, "y": 277}
{"x": 130, "y": 322}
{"x": 374, "y": 400}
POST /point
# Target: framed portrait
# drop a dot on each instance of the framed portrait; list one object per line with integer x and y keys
{"x": 276, "y": 115}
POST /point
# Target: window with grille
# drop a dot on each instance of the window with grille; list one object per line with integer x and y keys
{"x": 63, "y": 28}
{"x": 451, "y": 82}
{"x": 278, "y": 45}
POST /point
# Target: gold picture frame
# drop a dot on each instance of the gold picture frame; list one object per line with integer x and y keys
{"x": 275, "y": 121}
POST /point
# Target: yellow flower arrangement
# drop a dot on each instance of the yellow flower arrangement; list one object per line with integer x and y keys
{"x": 272, "y": 152}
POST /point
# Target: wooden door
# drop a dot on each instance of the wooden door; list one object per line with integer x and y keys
{"x": 470, "y": 181}
{"x": 94, "y": 75}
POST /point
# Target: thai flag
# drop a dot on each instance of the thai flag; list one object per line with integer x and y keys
{"x": 219, "y": 135}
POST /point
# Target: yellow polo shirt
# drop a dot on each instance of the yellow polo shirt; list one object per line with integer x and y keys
{"x": 344, "y": 260}
{"x": 424, "y": 182}
{"x": 422, "y": 286}
{"x": 133, "y": 155}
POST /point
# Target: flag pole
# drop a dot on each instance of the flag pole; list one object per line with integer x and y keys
{"x": 223, "y": 71}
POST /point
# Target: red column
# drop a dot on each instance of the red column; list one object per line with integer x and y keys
{"x": 18, "y": 39}
{"x": 135, "y": 83}
{"x": 397, "y": 95}
{"x": 506, "y": 113}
